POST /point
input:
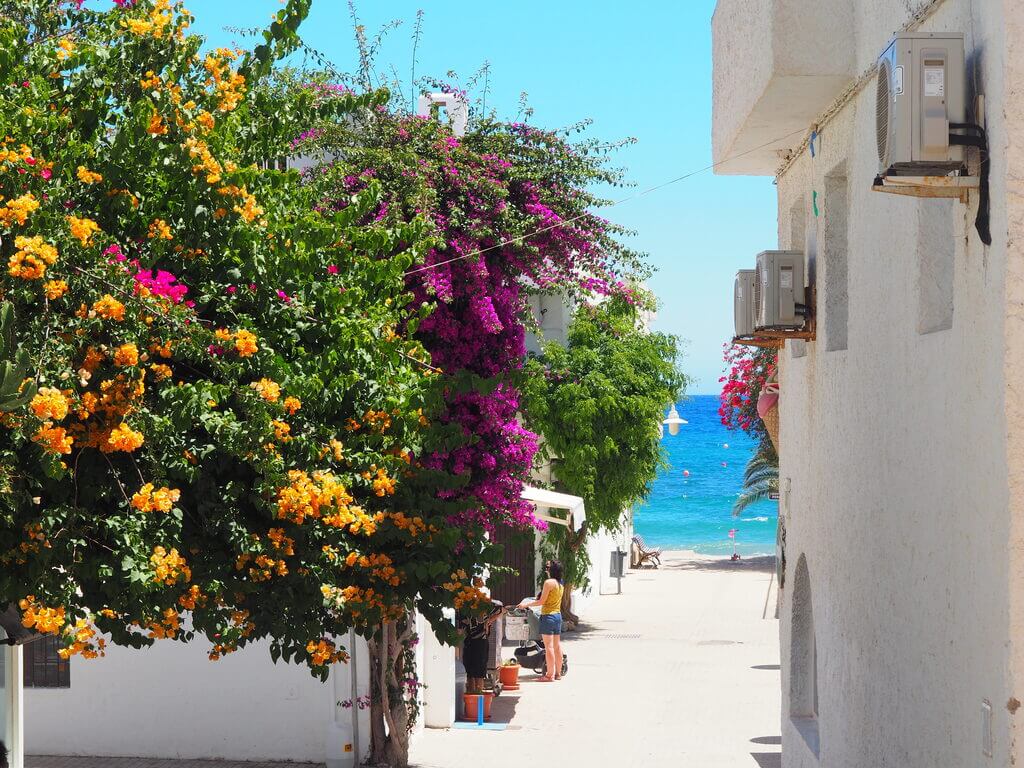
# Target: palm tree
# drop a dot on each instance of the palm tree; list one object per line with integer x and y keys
{"x": 760, "y": 479}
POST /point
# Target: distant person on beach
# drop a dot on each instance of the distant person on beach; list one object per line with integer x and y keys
{"x": 550, "y": 602}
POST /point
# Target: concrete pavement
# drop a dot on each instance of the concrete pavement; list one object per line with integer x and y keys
{"x": 682, "y": 669}
{"x": 679, "y": 670}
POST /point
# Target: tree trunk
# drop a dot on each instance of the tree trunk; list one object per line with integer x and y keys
{"x": 389, "y": 708}
{"x": 573, "y": 542}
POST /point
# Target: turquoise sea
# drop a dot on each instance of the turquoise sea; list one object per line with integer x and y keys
{"x": 695, "y": 511}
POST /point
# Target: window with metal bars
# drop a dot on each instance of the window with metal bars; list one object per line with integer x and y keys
{"x": 44, "y": 668}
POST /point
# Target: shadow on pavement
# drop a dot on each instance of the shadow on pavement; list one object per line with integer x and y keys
{"x": 765, "y": 564}
{"x": 767, "y": 759}
{"x": 503, "y": 708}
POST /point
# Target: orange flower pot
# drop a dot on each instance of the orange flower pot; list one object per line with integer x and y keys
{"x": 469, "y": 705}
{"x": 509, "y": 676}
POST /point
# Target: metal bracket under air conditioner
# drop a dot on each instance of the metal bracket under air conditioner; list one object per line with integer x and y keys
{"x": 768, "y": 339}
{"x": 951, "y": 186}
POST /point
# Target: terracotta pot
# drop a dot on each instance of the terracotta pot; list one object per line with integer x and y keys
{"x": 768, "y": 410}
{"x": 469, "y": 705}
{"x": 509, "y": 676}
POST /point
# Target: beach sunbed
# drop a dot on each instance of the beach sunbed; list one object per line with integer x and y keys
{"x": 645, "y": 554}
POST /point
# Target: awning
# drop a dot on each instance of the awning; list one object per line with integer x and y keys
{"x": 14, "y": 632}
{"x": 542, "y": 498}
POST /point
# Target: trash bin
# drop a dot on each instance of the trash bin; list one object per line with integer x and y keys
{"x": 618, "y": 569}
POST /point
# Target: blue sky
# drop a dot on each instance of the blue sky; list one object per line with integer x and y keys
{"x": 637, "y": 69}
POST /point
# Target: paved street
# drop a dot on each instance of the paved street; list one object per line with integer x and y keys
{"x": 681, "y": 670}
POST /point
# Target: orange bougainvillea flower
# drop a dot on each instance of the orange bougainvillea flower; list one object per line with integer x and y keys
{"x": 30, "y": 260}
{"x": 126, "y": 354}
{"x": 267, "y": 389}
{"x": 88, "y": 177}
{"x": 17, "y": 211}
{"x": 109, "y": 308}
{"x": 83, "y": 229}
{"x": 169, "y": 567}
{"x": 54, "y": 289}
{"x": 245, "y": 343}
{"x": 49, "y": 403}
{"x": 122, "y": 438}
{"x": 159, "y": 229}
{"x": 150, "y": 499}
{"x": 157, "y": 126}
{"x": 292, "y": 404}
{"x": 44, "y": 620}
{"x": 53, "y": 439}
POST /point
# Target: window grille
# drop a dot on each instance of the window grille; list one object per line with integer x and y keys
{"x": 44, "y": 668}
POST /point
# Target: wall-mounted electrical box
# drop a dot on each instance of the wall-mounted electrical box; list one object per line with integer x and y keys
{"x": 743, "y": 302}
{"x": 779, "y": 292}
{"x": 920, "y": 91}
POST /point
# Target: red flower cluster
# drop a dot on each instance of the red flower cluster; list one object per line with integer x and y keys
{"x": 748, "y": 370}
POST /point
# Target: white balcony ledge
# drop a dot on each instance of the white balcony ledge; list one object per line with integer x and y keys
{"x": 777, "y": 65}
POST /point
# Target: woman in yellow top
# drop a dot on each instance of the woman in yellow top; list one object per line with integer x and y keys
{"x": 550, "y": 601}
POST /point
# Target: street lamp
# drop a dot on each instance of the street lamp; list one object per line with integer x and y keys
{"x": 673, "y": 421}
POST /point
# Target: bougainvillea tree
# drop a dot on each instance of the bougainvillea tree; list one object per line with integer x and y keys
{"x": 508, "y": 208}
{"x": 598, "y": 401}
{"x": 228, "y": 396}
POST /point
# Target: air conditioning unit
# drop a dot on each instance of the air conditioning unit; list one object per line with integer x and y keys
{"x": 921, "y": 90}
{"x": 779, "y": 293}
{"x": 743, "y": 302}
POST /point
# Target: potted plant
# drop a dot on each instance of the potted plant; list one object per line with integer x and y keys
{"x": 509, "y": 675}
{"x": 768, "y": 409}
{"x": 470, "y": 705}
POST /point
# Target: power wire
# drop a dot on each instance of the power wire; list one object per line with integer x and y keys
{"x": 587, "y": 214}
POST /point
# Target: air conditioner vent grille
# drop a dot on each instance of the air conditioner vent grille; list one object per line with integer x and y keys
{"x": 882, "y": 110}
{"x": 758, "y": 295}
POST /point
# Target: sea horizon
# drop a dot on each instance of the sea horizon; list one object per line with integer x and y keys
{"x": 691, "y": 500}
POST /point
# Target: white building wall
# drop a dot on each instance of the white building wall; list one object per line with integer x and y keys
{"x": 1013, "y": 144}
{"x": 171, "y": 701}
{"x": 894, "y": 459}
{"x": 600, "y": 547}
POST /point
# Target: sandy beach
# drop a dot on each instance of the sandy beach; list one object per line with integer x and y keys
{"x": 682, "y": 669}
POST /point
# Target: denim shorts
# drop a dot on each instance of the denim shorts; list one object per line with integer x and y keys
{"x": 551, "y": 624}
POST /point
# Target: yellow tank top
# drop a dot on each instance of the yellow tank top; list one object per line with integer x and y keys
{"x": 554, "y": 602}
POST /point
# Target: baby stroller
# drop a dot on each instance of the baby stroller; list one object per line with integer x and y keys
{"x": 521, "y": 626}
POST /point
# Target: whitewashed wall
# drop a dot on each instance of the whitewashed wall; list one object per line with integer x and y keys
{"x": 894, "y": 429}
{"x": 170, "y": 701}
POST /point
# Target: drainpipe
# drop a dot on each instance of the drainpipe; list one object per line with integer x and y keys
{"x": 342, "y": 746}
{"x": 353, "y": 673}
{"x": 14, "y": 699}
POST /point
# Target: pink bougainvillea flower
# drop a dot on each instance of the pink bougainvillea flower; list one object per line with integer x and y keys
{"x": 284, "y": 297}
{"x": 114, "y": 251}
{"x": 231, "y": 290}
{"x": 161, "y": 283}
{"x": 46, "y": 173}
{"x": 332, "y": 270}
